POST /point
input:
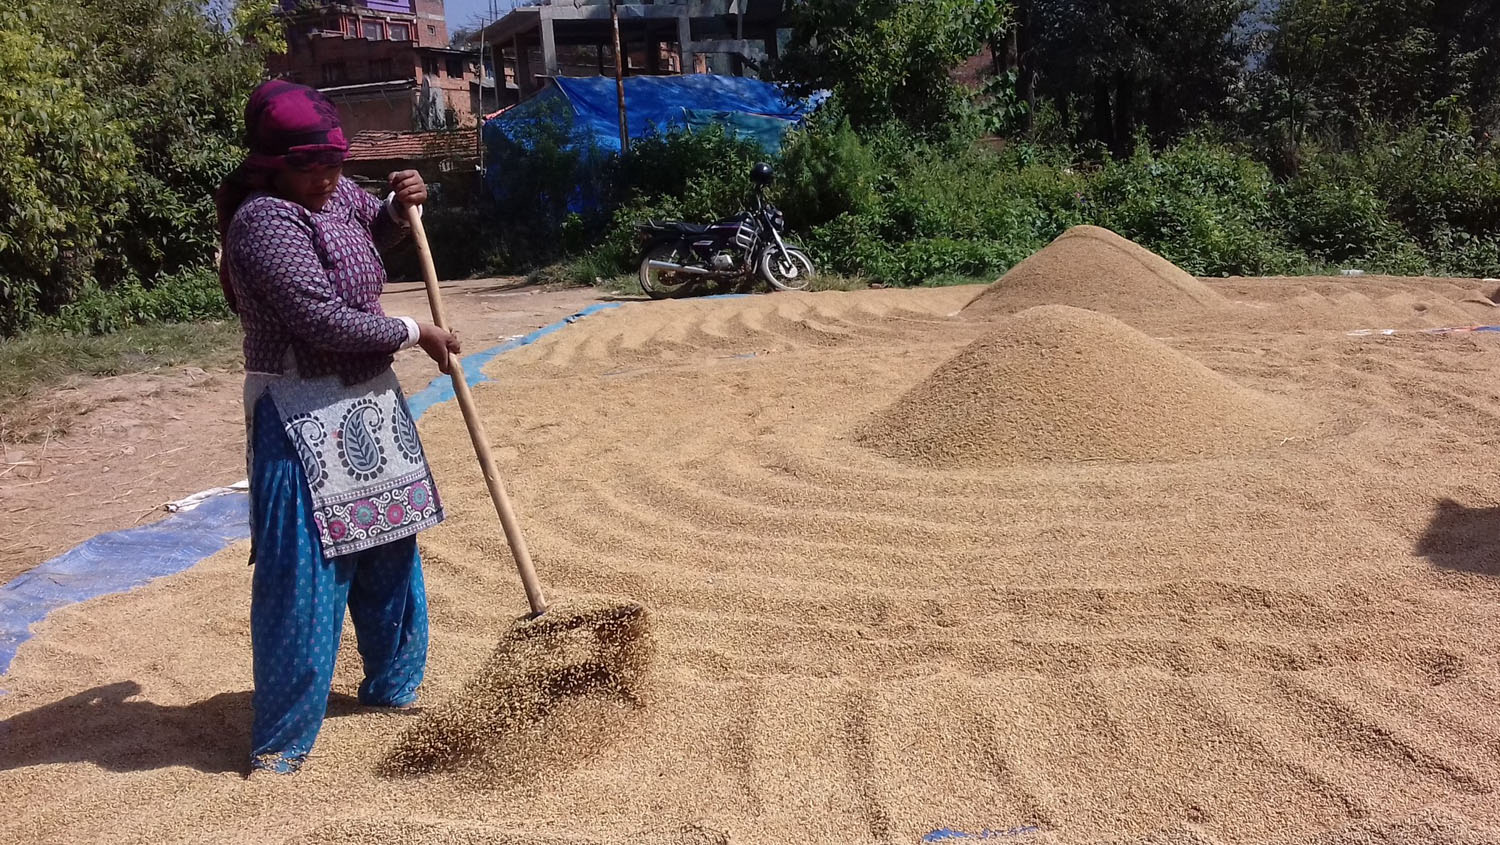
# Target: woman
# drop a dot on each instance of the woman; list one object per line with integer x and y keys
{"x": 339, "y": 485}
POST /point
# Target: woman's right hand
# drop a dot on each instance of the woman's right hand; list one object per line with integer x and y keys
{"x": 439, "y": 344}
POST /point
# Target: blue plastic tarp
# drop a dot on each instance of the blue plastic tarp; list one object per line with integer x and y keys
{"x": 580, "y": 116}
{"x": 764, "y": 130}
{"x": 652, "y": 104}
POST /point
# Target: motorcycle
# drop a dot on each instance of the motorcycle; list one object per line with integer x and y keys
{"x": 677, "y": 256}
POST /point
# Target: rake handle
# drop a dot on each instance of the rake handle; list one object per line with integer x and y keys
{"x": 476, "y": 428}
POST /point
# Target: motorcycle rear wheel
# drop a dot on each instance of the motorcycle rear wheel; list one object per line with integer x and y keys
{"x": 796, "y": 272}
{"x": 663, "y": 284}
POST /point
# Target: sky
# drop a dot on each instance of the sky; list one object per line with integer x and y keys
{"x": 464, "y": 13}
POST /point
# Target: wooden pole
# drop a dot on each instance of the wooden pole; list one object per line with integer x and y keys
{"x": 498, "y": 496}
{"x": 614, "y": 22}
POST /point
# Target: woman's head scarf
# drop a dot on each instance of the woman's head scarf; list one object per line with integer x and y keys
{"x": 287, "y": 126}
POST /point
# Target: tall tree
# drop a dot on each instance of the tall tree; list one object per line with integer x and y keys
{"x": 1123, "y": 65}
{"x": 67, "y": 163}
{"x": 179, "y": 79}
{"x": 1335, "y": 67}
{"x": 889, "y": 59}
{"x": 160, "y": 84}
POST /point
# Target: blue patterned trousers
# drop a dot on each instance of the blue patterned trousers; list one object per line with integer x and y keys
{"x": 297, "y": 607}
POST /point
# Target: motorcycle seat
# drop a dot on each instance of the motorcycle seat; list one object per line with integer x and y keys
{"x": 676, "y": 226}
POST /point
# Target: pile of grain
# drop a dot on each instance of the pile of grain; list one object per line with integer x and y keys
{"x": 555, "y": 686}
{"x": 1287, "y": 645}
{"x": 1094, "y": 268}
{"x": 1059, "y": 383}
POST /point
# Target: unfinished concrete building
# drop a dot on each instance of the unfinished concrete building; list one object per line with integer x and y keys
{"x": 532, "y": 43}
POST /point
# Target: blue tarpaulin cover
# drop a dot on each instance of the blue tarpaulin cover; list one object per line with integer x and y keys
{"x": 652, "y": 104}
{"x": 588, "y": 109}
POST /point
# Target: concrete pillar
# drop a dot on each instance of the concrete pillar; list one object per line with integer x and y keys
{"x": 549, "y": 43}
{"x": 653, "y": 51}
{"x": 685, "y": 41}
{"x": 523, "y": 67}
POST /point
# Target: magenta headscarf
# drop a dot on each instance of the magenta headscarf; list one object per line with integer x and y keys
{"x": 286, "y": 126}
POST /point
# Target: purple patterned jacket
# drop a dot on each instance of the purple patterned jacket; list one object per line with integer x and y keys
{"x": 311, "y": 282}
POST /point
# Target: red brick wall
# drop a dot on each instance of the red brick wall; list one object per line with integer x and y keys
{"x": 329, "y": 49}
{"x": 362, "y": 60}
{"x": 392, "y": 112}
{"x": 430, "y": 13}
{"x": 454, "y": 88}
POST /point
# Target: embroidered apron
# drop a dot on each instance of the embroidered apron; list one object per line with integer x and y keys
{"x": 364, "y": 463}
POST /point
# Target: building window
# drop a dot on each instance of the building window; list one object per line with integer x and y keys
{"x": 400, "y": 32}
{"x": 431, "y": 31}
{"x": 351, "y": 27}
{"x": 334, "y": 73}
{"x": 380, "y": 70}
{"x": 429, "y": 66}
{"x": 456, "y": 68}
{"x": 374, "y": 31}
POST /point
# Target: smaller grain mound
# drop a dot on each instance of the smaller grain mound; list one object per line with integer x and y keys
{"x": 1062, "y": 384}
{"x": 1094, "y": 268}
{"x": 550, "y": 693}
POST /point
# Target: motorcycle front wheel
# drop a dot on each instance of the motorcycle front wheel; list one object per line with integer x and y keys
{"x": 663, "y": 284}
{"x": 794, "y": 272}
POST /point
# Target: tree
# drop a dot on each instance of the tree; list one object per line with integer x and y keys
{"x": 1122, "y": 65}
{"x": 67, "y": 163}
{"x": 179, "y": 80}
{"x": 889, "y": 59}
{"x": 1337, "y": 67}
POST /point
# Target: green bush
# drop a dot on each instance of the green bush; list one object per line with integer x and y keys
{"x": 707, "y": 171}
{"x": 536, "y": 173}
{"x": 188, "y": 296}
{"x": 940, "y": 210}
{"x": 466, "y": 231}
{"x": 1201, "y": 205}
{"x": 1441, "y": 186}
{"x": 893, "y": 208}
{"x": 679, "y": 175}
{"x": 1340, "y": 220}
{"x": 826, "y": 171}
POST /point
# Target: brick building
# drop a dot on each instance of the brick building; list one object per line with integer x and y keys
{"x": 387, "y": 64}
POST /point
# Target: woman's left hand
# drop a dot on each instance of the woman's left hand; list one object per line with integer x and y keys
{"x": 409, "y": 188}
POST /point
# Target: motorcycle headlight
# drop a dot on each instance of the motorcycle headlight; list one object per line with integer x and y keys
{"x": 779, "y": 221}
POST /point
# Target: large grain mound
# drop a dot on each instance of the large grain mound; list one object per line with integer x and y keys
{"x": 1059, "y": 383}
{"x": 1094, "y": 268}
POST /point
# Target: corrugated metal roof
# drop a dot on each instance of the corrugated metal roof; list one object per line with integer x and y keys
{"x": 384, "y": 146}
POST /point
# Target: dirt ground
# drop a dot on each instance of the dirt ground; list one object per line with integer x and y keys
{"x": 1286, "y": 643}
{"x": 139, "y": 441}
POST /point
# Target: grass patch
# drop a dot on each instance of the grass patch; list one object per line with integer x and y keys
{"x": 944, "y": 280}
{"x": 836, "y": 281}
{"x": 621, "y": 285}
{"x": 36, "y": 361}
